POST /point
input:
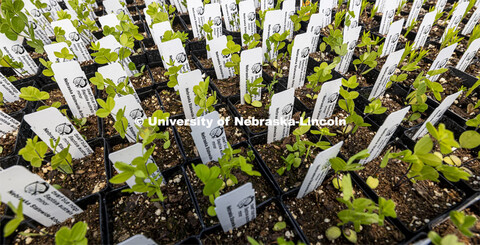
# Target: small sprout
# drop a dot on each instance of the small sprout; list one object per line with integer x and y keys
{"x": 279, "y": 226}
{"x": 74, "y": 236}
{"x": 202, "y": 99}
{"x": 333, "y": 233}
{"x": 350, "y": 234}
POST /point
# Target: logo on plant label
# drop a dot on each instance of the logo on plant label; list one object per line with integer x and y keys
{"x": 74, "y": 36}
{"x": 332, "y": 98}
{"x": 33, "y": 24}
{"x": 287, "y": 109}
{"x": 36, "y": 13}
{"x": 233, "y": 7}
{"x": 257, "y": 68}
{"x": 251, "y": 16}
{"x": 37, "y": 187}
{"x": 181, "y": 57}
{"x": 276, "y": 28}
{"x": 391, "y": 70}
{"x": 305, "y": 52}
{"x": 217, "y": 21}
{"x": 121, "y": 79}
{"x": 64, "y": 129}
{"x": 269, "y": 2}
{"x": 216, "y": 132}
{"x": 200, "y": 10}
{"x": 18, "y": 49}
{"x": 80, "y": 82}
{"x": 246, "y": 201}
{"x": 317, "y": 30}
{"x": 135, "y": 114}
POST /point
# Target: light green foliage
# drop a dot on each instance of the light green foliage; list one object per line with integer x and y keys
{"x": 424, "y": 164}
{"x": 31, "y": 93}
{"x": 271, "y": 92}
{"x": 253, "y": 89}
{"x": 463, "y": 222}
{"x": 375, "y": 107}
{"x": 64, "y": 54}
{"x": 451, "y": 38}
{"x": 83, "y": 22}
{"x": 170, "y": 35}
{"x": 35, "y": 151}
{"x": 112, "y": 89}
{"x": 172, "y": 73}
{"x": 303, "y": 14}
{"x": 322, "y": 73}
{"x": 202, "y": 98}
{"x": 275, "y": 43}
{"x": 411, "y": 63}
{"x": 6, "y": 61}
{"x": 347, "y": 103}
{"x": 471, "y": 138}
{"x": 417, "y": 98}
{"x": 207, "y": 28}
{"x": 74, "y": 236}
{"x": 363, "y": 211}
{"x": 474, "y": 35}
{"x": 215, "y": 178}
{"x": 157, "y": 13}
{"x": 14, "y": 23}
{"x": 121, "y": 123}
{"x": 103, "y": 55}
{"x": 106, "y": 107}
{"x": 449, "y": 239}
{"x": 251, "y": 41}
{"x": 369, "y": 58}
{"x": 233, "y": 49}
{"x": 339, "y": 165}
{"x": 12, "y": 225}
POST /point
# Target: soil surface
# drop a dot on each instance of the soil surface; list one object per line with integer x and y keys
{"x": 166, "y": 223}
{"x": 7, "y": 141}
{"x": 12, "y": 107}
{"x": 447, "y": 227}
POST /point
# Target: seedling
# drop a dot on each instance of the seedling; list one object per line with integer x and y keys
{"x": 303, "y": 14}
{"x": 202, "y": 99}
{"x": 410, "y": 27}
{"x": 31, "y": 93}
{"x": 275, "y": 43}
{"x": 64, "y": 54}
{"x": 271, "y": 92}
{"x": 233, "y": 49}
{"x": 361, "y": 211}
{"x": 253, "y": 88}
{"x": 216, "y": 178}
{"x": 417, "y": 98}
{"x": 323, "y": 73}
{"x": 354, "y": 121}
{"x": 170, "y": 35}
{"x": 207, "y": 28}
{"x": 15, "y": 24}
{"x": 158, "y": 13}
{"x": 470, "y": 139}
{"x": 462, "y": 222}
{"x": 6, "y": 61}
{"x": 35, "y": 151}
{"x": 411, "y": 63}
{"x": 172, "y": 73}
{"x": 424, "y": 164}
{"x": 13, "y": 224}
{"x": 122, "y": 88}
{"x": 83, "y": 23}
{"x": 450, "y": 38}
{"x": 474, "y": 35}
{"x": 375, "y": 107}
{"x": 76, "y": 235}
{"x": 251, "y": 41}
{"x": 367, "y": 61}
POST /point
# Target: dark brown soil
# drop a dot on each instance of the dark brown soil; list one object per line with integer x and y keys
{"x": 159, "y": 74}
{"x": 250, "y": 112}
{"x": 89, "y": 176}
{"x": 322, "y": 57}
{"x": 416, "y": 204}
{"x": 206, "y": 63}
{"x": 142, "y": 81}
{"x": 301, "y": 94}
{"x": 171, "y": 101}
{"x": 90, "y": 215}
{"x": 272, "y": 156}
{"x": 451, "y": 84}
{"x": 261, "y": 229}
{"x": 12, "y": 107}
{"x": 263, "y": 190}
{"x": 283, "y": 63}
{"x": 187, "y": 140}
{"x": 7, "y": 141}
{"x": 356, "y": 142}
{"x": 317, "y": 211}
{"x": 229, "y": 86}
{"x": 473, "y": 69}
{"x": 166, "y": 223}
{"x": 55, "y": 96}
{"x": 90, "y": 129}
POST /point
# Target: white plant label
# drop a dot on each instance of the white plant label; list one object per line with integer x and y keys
{"x": 318, "y": 170}
{"x": 288, "y": 9}
{"x": 210, "y": 140}
{"x": 10, "y": 92}
{"x": 354, "y": 6}
{"x": 214, "y": 14}
{"x": 314, "y": 28}
{"x": 7, "y": 124}
{"x": 57, "y": 47}
{"x": 388, "y": 69}
{"x": 174, "y": 50}
{"x": 52, "y": 124}
{"x": 440, "y": 5}
{"x": 117, "y": 74}
{"x": 325, "y": 11}
{"x": 380, "y": 4}
{"x": 111, "y": 43}
{"x": 384, "y": 134}
{"x": 230, "y": 14}
{"x": 196, "y": 12}
{"x": 179, "y": 5}
{"x": 159, "y": 29}
{"x": 109, "y": 20}
{"x": 472, "y": 22}
{"x": 39, "y": 18}
{"x": 327, "y": 99}
{"x": 273, "y": 24}
{"x": 78, "y": 46}
{"x": 133, "y": 113}
{"x": 127, "y": 155}
{"x": 186, "y": 82}
{"x": 41, "y": 201}
{"x": 414, "y": 11}
{"x": 442, "y": 60}
{"x": 392, "y": 38}
{"x": 75, "y": 88}
{"x": 387, "y": 18}
{"x": 236, "y": 207}
{"x": 281, "y": 110}
{"x": 18, "y": 53}
{"x": 424, "y": 30}
{"x": 436, "y": 114}
{"x": 457, "y": 16}
{"x": 350, "y": 38}
{"x": 138, "y": 239}
{"x": 219, "y": 60}
{"x": 468, "y": 56}
{"x": 266, "y": 4}
{"x": 247, "y": 18}
{"x": 114, "y": 6}
{"x": 250, "y": 69}
{"x": 299, "y": 60}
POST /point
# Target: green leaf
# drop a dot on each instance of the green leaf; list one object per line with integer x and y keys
{"x": 279, "y": 226}
{"x": 470, "y": 139}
